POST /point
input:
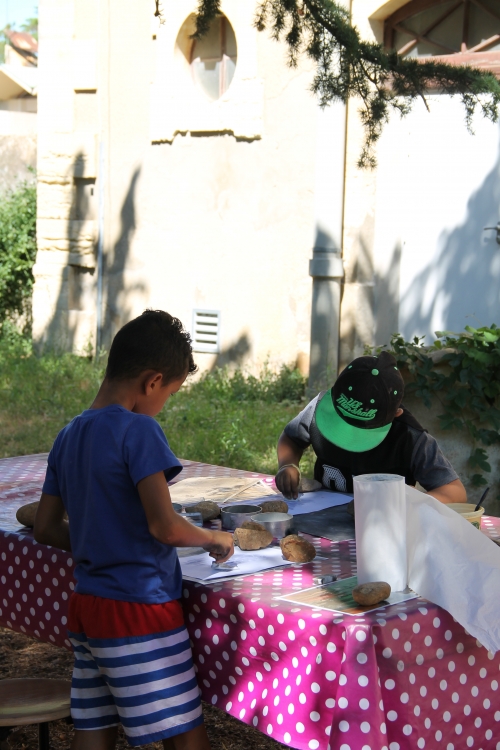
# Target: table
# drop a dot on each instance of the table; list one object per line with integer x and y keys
{"x": 395, "y": 679}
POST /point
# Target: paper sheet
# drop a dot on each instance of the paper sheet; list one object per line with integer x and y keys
{"x": 199, "y": 567}
{"x": 308, "y": 502}
{"x": 454, "y": 565}
{"x": 218, "y": 489}
{"x": 337, "y": 597}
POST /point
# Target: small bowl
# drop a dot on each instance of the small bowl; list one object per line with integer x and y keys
{"x": 467, "y": 511}
{"x": 279, "y": 524}
{"x": 234, "y": 515}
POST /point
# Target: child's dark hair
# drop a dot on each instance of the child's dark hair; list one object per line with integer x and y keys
{"x": 153, "y": 341}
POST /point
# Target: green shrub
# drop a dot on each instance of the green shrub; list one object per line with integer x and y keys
{"x": 468, "y": 387}
{"x": 226, "y": 419}
{"x": 17, "y": 251}
{"x": 233, "y": 419}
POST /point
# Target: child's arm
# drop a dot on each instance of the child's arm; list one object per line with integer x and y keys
{"x": 169, "y": 527}
{"x": 288, "y": 478}
{"x": 453, "y": 492}
{"x": 50, "y": 525}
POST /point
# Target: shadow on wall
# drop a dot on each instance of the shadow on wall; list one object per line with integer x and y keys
{"x": 358, "y": 303}
{"x": 386, "y": 302}
{"x": 117, "y": 308}
{"x": 73, "y": 325}
{"x": 462, "y": 285}
{"x": 234, "y": 355}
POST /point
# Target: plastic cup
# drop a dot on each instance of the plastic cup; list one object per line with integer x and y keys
{"x": 467, "y": 511}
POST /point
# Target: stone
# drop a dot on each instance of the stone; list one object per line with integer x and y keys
{"x": 253, "y": 525}
{"x": 309, "y": 485}
{"x": 251, "y": 539}
{"x": 368, "y": 594}
{"x": 297, "y": 549}
{"x": 26, "y": 514}
{"x": 274, "y": 506}
{"x": 208, "y": 509}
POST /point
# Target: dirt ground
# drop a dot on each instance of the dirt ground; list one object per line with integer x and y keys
{"x": 21, "y": 656}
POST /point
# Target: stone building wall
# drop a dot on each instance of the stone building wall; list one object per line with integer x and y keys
{"x": 200, "y": 210}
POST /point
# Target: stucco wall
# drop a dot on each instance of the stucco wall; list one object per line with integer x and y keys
{"x": 17, "y": 141}
{"x": 17, "y": 155}
{"x": 457, "y": 448}
{"x": 207, "y": 220}
{"x": 416, "y": 257}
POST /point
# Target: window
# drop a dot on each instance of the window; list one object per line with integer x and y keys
{"x": 213, "y": 59}
{"x": 206, "y": 331}
{"x": 211, "y": 85}
{"x": 460, "y": 31}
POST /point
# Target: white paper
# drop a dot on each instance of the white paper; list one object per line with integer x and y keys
{"x": 454, "y": 565}
{"x": 199, "y": 567}
{"x": 308, "y": 502}
{"x": 380, "y": 512}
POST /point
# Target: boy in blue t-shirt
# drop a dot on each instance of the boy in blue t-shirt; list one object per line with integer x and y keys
{"x": 108, "y": 469}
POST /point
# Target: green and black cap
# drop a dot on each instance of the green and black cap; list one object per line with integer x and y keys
{"x": 357, "y": 413}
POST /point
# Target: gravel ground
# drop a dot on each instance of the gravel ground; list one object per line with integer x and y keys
{"x": 21, "y": 656}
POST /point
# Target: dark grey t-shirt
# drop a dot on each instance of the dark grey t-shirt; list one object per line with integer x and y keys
{"x": 430, "y": 468}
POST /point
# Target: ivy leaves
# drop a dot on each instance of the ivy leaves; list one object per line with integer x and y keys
{"x": 463, "y": 371}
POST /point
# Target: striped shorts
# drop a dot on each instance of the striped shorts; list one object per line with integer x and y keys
{"x": 133, "y": 665}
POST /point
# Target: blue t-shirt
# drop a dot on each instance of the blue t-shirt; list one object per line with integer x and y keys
{"x": 94, "y": 467}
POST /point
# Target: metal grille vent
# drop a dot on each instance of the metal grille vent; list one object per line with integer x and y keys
{"x": 206, "y": 331}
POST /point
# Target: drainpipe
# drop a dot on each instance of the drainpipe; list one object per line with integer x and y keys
{"x": 326, "y": 266}
{"x": 327, "y": 271}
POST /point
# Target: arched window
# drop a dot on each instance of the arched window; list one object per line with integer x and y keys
{"x": 459, "y": 31}
{"x": 213, "y": 59}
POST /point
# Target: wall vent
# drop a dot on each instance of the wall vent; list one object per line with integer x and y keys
{"x": 206, "y": 331}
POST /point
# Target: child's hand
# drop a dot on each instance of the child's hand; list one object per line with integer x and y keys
{"x": 287, "y": 481}
{"x": 221, "y": 547}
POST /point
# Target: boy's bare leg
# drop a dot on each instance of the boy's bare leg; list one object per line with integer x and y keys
{"x": 95, "y": 739}
{"x": 195, "y": 739}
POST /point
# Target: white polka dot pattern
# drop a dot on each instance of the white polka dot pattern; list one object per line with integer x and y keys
{"x": 396, "y": 679}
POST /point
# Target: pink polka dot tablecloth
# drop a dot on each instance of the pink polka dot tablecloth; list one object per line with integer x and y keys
{"x": 403, "y": 677}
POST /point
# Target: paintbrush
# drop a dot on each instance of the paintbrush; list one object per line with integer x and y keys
{"x": 482, "y": 498}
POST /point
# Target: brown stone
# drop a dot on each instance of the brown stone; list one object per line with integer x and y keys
{"x": 26, "y": 513}
{"x": 369, "y": 594}
{"x": 274, "y": 506}
{"x": 309, "y": 485}
{"x": 208, "y": 509}
{"x": 297, "y": 549}
{"x": 253, "y": 525}
{"x": 251, "y": 539}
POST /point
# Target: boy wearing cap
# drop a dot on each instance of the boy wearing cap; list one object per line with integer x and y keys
{"x": 359, "y": 427}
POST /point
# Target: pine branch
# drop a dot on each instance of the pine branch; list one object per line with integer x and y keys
{"x": 348, "y": 67}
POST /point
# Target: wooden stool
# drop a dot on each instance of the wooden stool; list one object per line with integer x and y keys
{"x": 33, "y": 701}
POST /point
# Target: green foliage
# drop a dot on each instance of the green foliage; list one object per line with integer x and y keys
{"x": 233, "y": 420}
{"x": 347, "y": 66}
{"x": 39, "y": 395}
{"x": 462, "y": 371}
{"x": 287, "y": 385}
{"x": 17, "y": 250}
